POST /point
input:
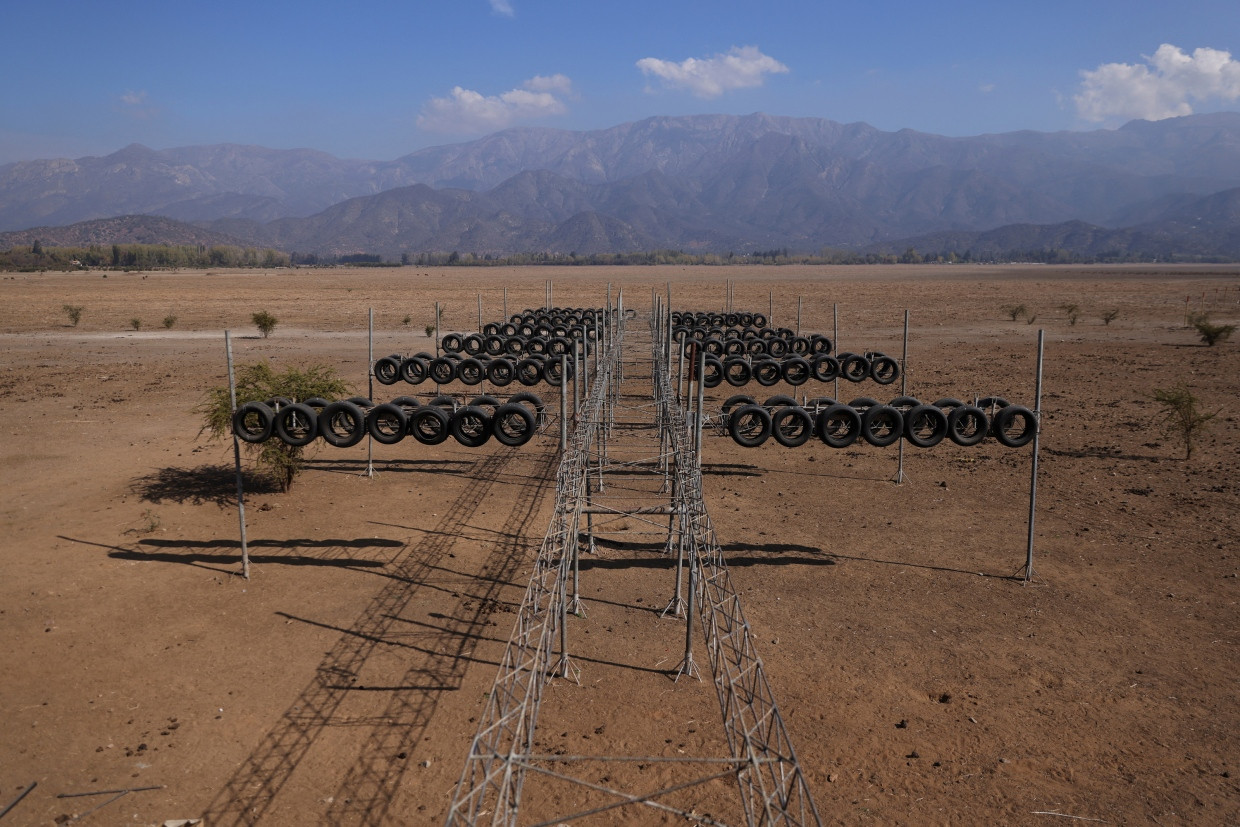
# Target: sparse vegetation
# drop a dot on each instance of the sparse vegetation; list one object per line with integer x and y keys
{"x": 1110, "y": 316}
{"x": 1210, "y": 333}
{"x": 265, "y": 322}
{"x": 430, "y": 330}
{"x": 169, "y": 321}
{"x": 1073, "y": 312}
{"x": 1015, "y": 311}
{"x": 1030, "y": 319}
{"x": 135, "y": 323}
{"x": 258, "y": 383}
{"x": 405, "y": 321}
{"x": 1182, "y": 416}
{"x": 74, "y": 312}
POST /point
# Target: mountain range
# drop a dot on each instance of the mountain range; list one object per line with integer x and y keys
{"x": 708, "y": 183}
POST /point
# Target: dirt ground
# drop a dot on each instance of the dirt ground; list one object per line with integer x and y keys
{"x": 919, "y": 680}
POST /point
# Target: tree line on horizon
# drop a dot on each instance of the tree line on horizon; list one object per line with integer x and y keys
{"x": 37, "y": 257}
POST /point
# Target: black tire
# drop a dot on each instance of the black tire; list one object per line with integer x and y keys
{"x": 825, "y": 368}
{"x": 799, "y": 345}
{"x": 1014, "y": 426}
{"x": 387, "y": 424}
{"x": 882, "y": 425}
{"x": 443, "y": 370}
{"x": 361, "y": 401}
{"x": 736, "y": 401}
{"x": 795, "y": 371}
{"x": 967, "y": 425}
{"x": 414, "y": 370}
{"x": 855, "y": 368}
{"x": 470, "y": 426}
{"x": 904, "y": 404}
{"x": 513, "y": 425}
{"x": 992, "y": 405}
{"x": 838, "y": 426}
{"x": 493, "y": 344}
{"x": 532, "y": 402}
{"x": 733, "y": 346}
{"x": 297, "y": 424}
{"x": 792, "y": 426}
{"x": 530, "y": 371}
{"x": 737, "y": 372}
{"x": 766, "y": 372}
{"x": 253, "y": 422}
{"x": 409, "y": 403}
{"x": 925, "y": 426}
{"x": 444, "y": 402}
{"x": 819, "y": 344}
{"x": 342, "y": 424}
{"x": 452, "y": 343}
{"x": 750, "y": 425}
{"x": 713, "y": 346}
{"x": 486, "y": 401}
{"x": 818, "y": 403}
{"x": 777, "y": 347}
{"x": 779, "y": 400}
{"x": 473, "y": 344}
{"x": 429, "y": 425}
{"x": 278, "y": 402}
{"x": 755, "y": 346}
{"x": 501, "y": 372}
{"x": 863, "y": 403}
{"x": 471, "y": 371}
{"x": 947, "y": 403}
{"x": 387, "y": 370}
{"x": 712, "y": 371}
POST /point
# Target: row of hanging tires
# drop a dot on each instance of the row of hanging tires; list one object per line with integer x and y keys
{"x": 470, "y": 370}
{"x": 840, "y": 425}
{"x": 739, "y": 371}
{"x": 345, "y": 423}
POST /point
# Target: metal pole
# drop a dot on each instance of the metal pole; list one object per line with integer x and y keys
{"x": 480, "y": 313}
{"x": 370, "y": 387}
{"x": 563, "y": 405}
{"x": 903, "y": 392}
{"x": 232, "y": 396}
{"x": 835, "y": 340}
{"x": 505, "y": 304}
{"x": 770, "y": 310}
{"x": 436, "y": 341}
{"x": 1033, "y": 470}
{"x": 798, "y": 315}
{"x": 699, "y": 418}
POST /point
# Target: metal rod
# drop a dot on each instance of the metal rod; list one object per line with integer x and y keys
{"x": 835, "y": 340}
{"x": 563, "y": 404}
{"x": 436, "y": 341}
{"x": 903, "y": 392}
{"x": 232, "y": 396}
{"x": 1033, "y": 469}
{"x": 370, "y": 388}
{"x": 505, "y": 304}
{"x": 798, "y": 315}
{"x": 17, "y": 800}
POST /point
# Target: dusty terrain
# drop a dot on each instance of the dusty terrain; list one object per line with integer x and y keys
{"x": 920, "y": 682}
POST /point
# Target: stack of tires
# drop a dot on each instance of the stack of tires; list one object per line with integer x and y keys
{"x": 346, "y": 422}
{"x": 526, "y": 350}
{"x": 840, "y": 425}
{"x": 741, "y": 348}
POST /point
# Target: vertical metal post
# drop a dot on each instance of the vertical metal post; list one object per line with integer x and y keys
{"x": 798, "y": 315}
{"x": 437, "y": 341}
{"x": 687, "y": 666}
{"x": 835, "y": 341}
{"x": 563, "y": 405}
{"x": 370, "y": 387}
{"x": 479, "y": 313}
{"x": 505, "y": 304}
{"x": 232, "y": 396}
{"x": 903, "y": 392}
{"x": 576, "y": 386}
{"x": 770, "y": 310}
{"x": 699, "y": 417}
{"x": 1033, "y": 469}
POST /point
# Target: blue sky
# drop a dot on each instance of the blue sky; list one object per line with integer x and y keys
{"x": 378, "y": 80}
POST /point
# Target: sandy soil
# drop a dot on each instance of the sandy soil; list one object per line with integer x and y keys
{"x": 920, "y": 682}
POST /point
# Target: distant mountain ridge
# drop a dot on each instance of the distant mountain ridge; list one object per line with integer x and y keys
{"x": 699, "y": 183}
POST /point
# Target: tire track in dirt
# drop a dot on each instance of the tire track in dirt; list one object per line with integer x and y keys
{"x": 253, "y": 788}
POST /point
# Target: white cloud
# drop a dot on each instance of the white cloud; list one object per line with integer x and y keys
{"x": 986, "y": 88}
{"x": 135, "y": 105}
{"x": 502, "y": 7}
{"x": 466, "y": 111}
{"x": 743, "y": 67}
{"x": 1162, "y": 87}
{"x": 132, "y": 98}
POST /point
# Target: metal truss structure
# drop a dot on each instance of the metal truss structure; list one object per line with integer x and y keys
{"x": 769, "y": 783}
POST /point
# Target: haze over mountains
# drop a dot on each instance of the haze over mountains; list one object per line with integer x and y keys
{"x": 697, "y": 183}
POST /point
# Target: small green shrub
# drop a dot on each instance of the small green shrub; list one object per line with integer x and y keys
{"x": 1110, "y": 316}
{"x": 430, "y": 330}
{"x": 1015, "y": 311}
{"x": 258, "y": 383}
{"x": 169, "y": 321}
{"x": 1210, "y": 333}
{"x": 1182, "y": 416}
{"x": 135, "y": 323}
{"x": 265, "y": 322}
{"x": 74, "y": 312}
{"x": 1073, "y": 312}
{"x": 405, "y": 321}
